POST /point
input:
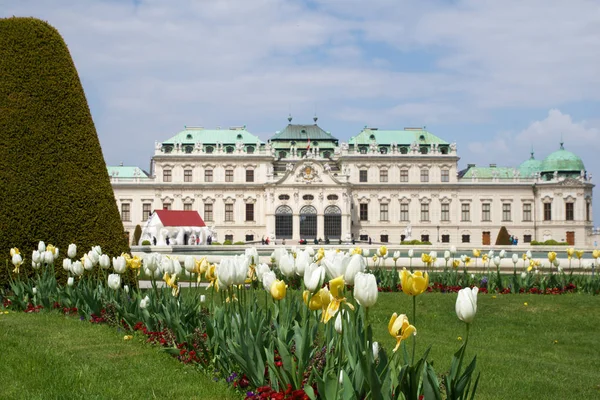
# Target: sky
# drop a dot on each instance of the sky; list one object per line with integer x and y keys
{"x": 496, "y": 77}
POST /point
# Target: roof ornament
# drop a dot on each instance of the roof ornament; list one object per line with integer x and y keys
{"x": 315, "y": 118}
{"x": 290, "y": 118}
{"x": 562, "y": 142}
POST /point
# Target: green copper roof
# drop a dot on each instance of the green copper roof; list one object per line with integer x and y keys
{"x": 192, "y": 135}
{"x": 529, "y": 167}
{"x": 400, "y": 137}
{"x": 126, "y": 172}
{"x": 562, "y": 161}
{"x": 488, "y": 172}
{"x": 303, "y": 133}
{"x": 303, "y": 144}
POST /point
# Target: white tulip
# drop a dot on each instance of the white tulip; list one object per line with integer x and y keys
{"x": 144, "y": 302}
{"x": 529, "y": 254}
{"x": 375, "y": 351}
{"x": 365, "y": 289}
{"x": 278, "y": 253}
{"x": 202, "y": 298}
{"x": 114, "y": 281}
{"x": 396, "y": 255}
{"x": 88, "y": 264}
{"x": 261, "y": 269}
{"x": 67, "y": 264}
{"x": 152, "y": 261}
{"x": 355, "y": 265}
{"x": 35, "y": 265}
{"x": 338, "y": 323}
{"x": 433, "y": 254}
{"x": 366, "y": 252}
{"x": 515, "y": 258}
{"x": 556, "y": 262}
{"x": 189, "y": 263}
{"x": 497, "y": 261}
{"x": 447, "y": 255}
{"x": 104, "y": 261}
{"x": 166, "y": 265}
{"x": 310, "y": 251}
{"x": 240, "y": 264}
{"x": 97, "y": 250}
{"x": 560, "y": 269}
{"x": 303, "y": 259}
{"x": 36, "y": 257}
{"x": 70, "y": 281}
{"x": 268, "y": 279}
{"x": 472, "y": 276}
{"x": 41, "y": 246}
{"x": 466, "y": 304}
{"x": 126, "y": 288}
{"x": 314, "y": 276}
{"x": 17, "y": 260}
{"x": 341, "y": 378}
{"x": 34, "y": 290}
{"x": 336, "y": 265}
{"x": 286, "y": 265}
{"x": 411, "y": 253}
{"x": 48, "y": 257}
{"x": 252, "y": 253}
{"x": 491, "y": 254}
{"x": 94, "y": 257}
{"x": 523, "y": 275}
{"x": 119, "y": 264}
{"x": 226, "y": 272}
{"x": 72, "y": 250}
{"x": 502, "y": 253}
{"x": 453, "y": 250}
{"x": 177, "y": 268}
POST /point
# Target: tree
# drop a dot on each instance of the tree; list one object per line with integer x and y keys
{"x": 53, "y": 178}
{"x": 137, "y": 234}
{"x": 503, "y": 238}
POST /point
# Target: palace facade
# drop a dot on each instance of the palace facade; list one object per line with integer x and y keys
{"x": 386, "y": 185}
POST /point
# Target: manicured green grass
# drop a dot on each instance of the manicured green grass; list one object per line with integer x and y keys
{"x": 49, "y": 356}
{"x": 547, "y": 349}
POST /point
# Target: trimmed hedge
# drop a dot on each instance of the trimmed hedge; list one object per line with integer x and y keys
{"x": 414, "y": 243}
{"x": 550, "y": 242}
{"x": 53, "y": 178}
{"x": 137, "y": 234}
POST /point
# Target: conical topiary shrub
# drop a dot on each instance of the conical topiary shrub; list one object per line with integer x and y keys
{"x": 54, "y": 183}
{"x": 503, "y": 238}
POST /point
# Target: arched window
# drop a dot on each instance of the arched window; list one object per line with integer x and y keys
{"x": 229, "y": 149}
{"x": 308, "y": 197}
{"x": 308, "y": 222}
{"x": 332, "y": 197}
{"x": 250, "y": 150}
{"x": 333, "y": 222}
{"x": 283, "y": 222}
{"x": 403, "y": 150}
{"x": 284, "y": 197}
{"x": 209, "y": 149}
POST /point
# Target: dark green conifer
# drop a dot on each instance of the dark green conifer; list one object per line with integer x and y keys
{"x": 503, "y": 238}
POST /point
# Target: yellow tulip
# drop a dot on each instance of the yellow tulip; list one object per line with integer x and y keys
{"x": 211, "y": 276}
{"x": 551, "y": 256}
{"x": 383, "y": 251}
{"x": 318, "y": 301}
{"x": 278, "y": 289}
{"x": 596, "y": 253}
{"x": 335, "y": 287}
{"x": 426, "y": 258}
{"x": 14, "y": 251}
{"x": 455, "y": 263}
{"x": 466, "y": 260}
{"x": 375, "y": 258}
{"x": 579, "y": 254}
{"x": 524, "y": 256}
{"x": 400, "y": 328}
{"x": 570, "y": 252}
{"x": 200, "y": 266}
{"x": 476, "y": 253}
{"x": 484, "y": 258}
{"x": 171, "y": 281}
{"x": 356, "y": 250}
{"x": 414, "y": 284}
{"x": 135, "y": 263}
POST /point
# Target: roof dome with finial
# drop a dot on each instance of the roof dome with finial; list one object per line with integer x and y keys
{"x": 562, "y": 161}
{"x": 530, "y": 167}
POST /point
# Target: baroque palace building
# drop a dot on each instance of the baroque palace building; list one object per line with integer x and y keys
{"x": 383, "y": 185}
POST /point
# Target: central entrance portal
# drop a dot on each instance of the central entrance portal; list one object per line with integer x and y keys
{"x": 333, "y": 222}
{"x": 308, "y": 222}
{"x": 283, "y": 222}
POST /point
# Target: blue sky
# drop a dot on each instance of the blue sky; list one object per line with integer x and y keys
{"x": 495, "y": 76}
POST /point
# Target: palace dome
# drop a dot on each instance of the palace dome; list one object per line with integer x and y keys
{"x": 562, "y": 161}
{"x": 529, "y": 167}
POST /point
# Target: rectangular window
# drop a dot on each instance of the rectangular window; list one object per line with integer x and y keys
{"x": 362, "y": 175}
{"x": 167, "y": 175}
{"x": 403, "y": 175}
{"x": 424, "y": 175}
{"x": 146, "y": 211}
{"x": 383, "y": 238}
{"x": 445, "y": 238}
{"x": 383, "y": 175}
{"x": 166, "y": 206}
{"x": 229, "y": 238}
{"x": 208, "y": 212}
{"x": 506, "y": 214}
{"x": 445, "y": 175}
{"x": 187, "y": 175}
{"x": 527, "y": 212}
{"x": 445, "y": 212}
{"x": 547, "y": 211}
{"x": 466, "y": 238}
{"x": 208, "y": 175}
{"x": 526, "y": 238}
{"x": 424, "y": 212}
{"x": 587, "y": 212}
{"x": 465, "y": 212}
{"x": 424, "y": 238}
{"x": 125, "y": 212}
{"x": 187, "y": 206}
{"x": 364, "y": 212}
{"x": 403, "y": 212}
{"x": 486, "y": 212}
{"x": 249, "y": 212}
{"x": 363, "y": 238}
{"x": 249, "y": 175}
{"x": 228, "y": 175}
{"x": 383, "y": 212}
{"x": 569, "y": 212}
{"x": 249, "y": 238}
{"x": 229, "y": 212}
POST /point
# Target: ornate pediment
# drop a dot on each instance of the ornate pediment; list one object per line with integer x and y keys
{"x": 570, "y": 182}
{"x": 308, "y": 172}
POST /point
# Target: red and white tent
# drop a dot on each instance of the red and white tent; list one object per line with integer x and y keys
{"x": 181, "y": 227}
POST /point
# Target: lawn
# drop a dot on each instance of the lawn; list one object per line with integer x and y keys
{"x": 548, "y": 348}
{"x": 49, "y": 356}
{"x": 545, "y": 349}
